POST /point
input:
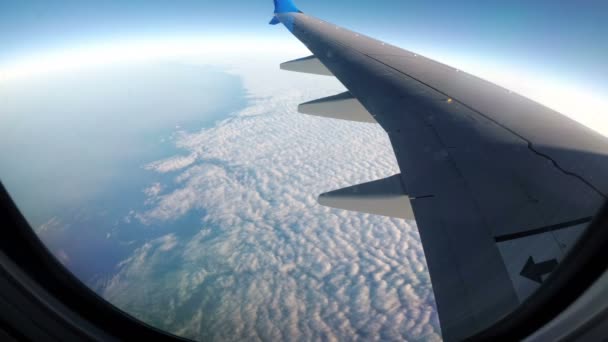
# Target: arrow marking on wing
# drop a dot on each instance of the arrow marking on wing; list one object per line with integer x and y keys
{"x": 535, "y": 271}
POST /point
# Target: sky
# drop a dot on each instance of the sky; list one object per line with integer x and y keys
{"x": 552, "y": 52}
{"x": 563, "y": 38}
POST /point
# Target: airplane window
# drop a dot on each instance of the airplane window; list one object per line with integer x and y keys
{"x": 163, "y": 156}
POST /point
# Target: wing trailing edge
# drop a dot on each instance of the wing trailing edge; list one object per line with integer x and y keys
{"x": 342, "y": 106}
{"x": 308, "y": 65}
{"x": 384, "y": 197}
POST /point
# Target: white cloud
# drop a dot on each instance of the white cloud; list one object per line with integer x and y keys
{"x": 62, "y": 256}
{"x": 53, "y": 224}
{"x": 269, "y": 263}
{"x": 171, "y": 164}
{"x": 153, "y": 190}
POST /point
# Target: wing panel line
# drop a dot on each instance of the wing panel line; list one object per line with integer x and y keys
{"x": 541, "y": 230}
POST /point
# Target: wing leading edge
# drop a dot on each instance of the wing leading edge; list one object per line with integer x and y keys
{"x": 499, "y": 185}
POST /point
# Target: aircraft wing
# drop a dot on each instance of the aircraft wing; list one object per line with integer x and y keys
{"x": 500, "y": 186}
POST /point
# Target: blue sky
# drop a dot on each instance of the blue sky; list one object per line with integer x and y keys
{"x": 565, "y": 38}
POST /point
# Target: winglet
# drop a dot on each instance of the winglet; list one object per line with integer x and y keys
{"x": 285, "y": 6}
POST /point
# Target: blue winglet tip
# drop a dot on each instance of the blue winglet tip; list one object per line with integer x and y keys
{"x": 285, "y": 6}
{"x": 274, "y": 21}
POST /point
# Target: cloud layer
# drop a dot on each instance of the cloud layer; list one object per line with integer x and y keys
{"x": 269, "y": 263}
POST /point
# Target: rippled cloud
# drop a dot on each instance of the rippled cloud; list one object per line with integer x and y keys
{"x": 267, "y": 262}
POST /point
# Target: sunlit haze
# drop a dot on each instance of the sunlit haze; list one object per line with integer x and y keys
{"x": 580, "y": 102}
